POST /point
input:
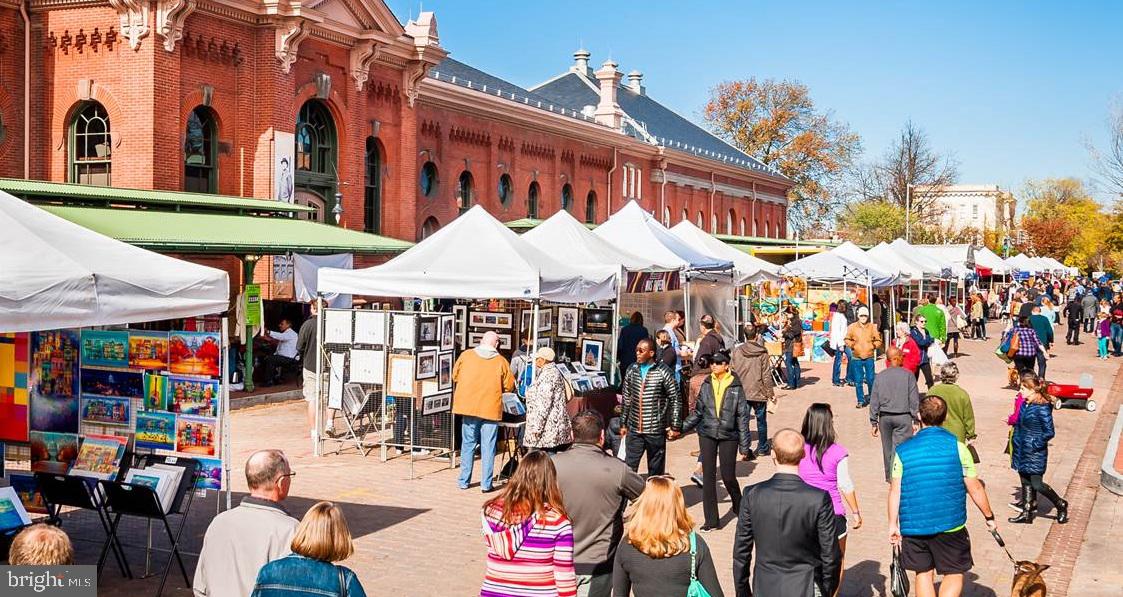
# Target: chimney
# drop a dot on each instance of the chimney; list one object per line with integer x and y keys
{"x": 581, "y": 62}
{"x": 608, "y": 110}
{"x": 635, "y": 82}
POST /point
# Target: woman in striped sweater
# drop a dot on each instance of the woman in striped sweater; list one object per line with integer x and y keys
{"x": 528, "y": 535}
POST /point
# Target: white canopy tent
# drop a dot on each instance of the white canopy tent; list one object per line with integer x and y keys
{"x": 562, "y": 232}
{"x": 476, "y": 257}
{"x": 1023, "y": 262}
{"x": 888, "y": 259}
{"x": 632, "y": 227}
{"x": 747, "y": 269}
{"x": 940, "y": 261}
{"x": 56, "y": 274}
{"x": 1051, "y": 264}
{"x": 832, "y": 268}
{"x": 984, "y": 257}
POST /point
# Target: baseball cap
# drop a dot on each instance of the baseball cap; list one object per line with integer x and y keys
{"x": 545, "y": 353}
{"x": 863, "y": 311}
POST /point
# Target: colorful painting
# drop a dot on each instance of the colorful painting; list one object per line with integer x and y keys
{"x": 195, "y": 353}
{"x": 148, "y": 350}
{"x": 155, "y": 392}
{"x": 155, "y": 430}
{"x": 54, "y": 381}
{"x": 189, "y": 396}
{"x": 126, "y": 384}
{"x": 196, "y": 435}
{"x": 107, "y": 410}
{"x": 100, "y": 456}
{"x": 211, "y": 474}
{"x": 28, "y": 491}
{"x": 14, "y": 368}
{"x": 105, "y": 348}
{"x": 53, "y": 452}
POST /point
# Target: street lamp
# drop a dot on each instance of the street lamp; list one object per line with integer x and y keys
{"x": 908, "y": 212}
{"x": 337, "y": 211}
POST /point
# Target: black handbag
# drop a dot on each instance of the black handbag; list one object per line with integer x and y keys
{"x": 898, "y": 578}
{"x": 827, "y": 349}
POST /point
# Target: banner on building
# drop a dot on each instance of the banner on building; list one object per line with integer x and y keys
{"x": 653, "y": 281}
{"x": 253, "y": 304}
{"x": 284, "y": 148}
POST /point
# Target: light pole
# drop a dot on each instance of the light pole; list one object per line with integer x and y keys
{"x": 908, "y": 212}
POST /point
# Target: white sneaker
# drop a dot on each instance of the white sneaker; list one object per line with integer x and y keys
{"x": 697, "y": 479}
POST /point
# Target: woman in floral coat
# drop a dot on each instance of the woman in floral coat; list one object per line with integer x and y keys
{"x": 547, "y": 420}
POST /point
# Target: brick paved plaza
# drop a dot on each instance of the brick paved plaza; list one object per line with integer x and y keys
{"x": 421, "y": 536}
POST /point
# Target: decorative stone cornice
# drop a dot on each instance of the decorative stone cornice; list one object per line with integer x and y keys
{"x": 170, "y": 15}
{"x": 412, "y": 77}
{"x": 362, "y": 55}
{"x": 134, "y": 19}
{"x": 290, "y": 32}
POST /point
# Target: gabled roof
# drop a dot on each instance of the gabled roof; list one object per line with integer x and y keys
{"x": 458, "y": 73}
{"x": 665, "y": 125}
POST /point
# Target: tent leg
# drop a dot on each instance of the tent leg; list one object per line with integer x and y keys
{"x": 316, "y": 447}
{"x": 248, "y": 265}
{"x": 224, "y": 410}
{"x": 533, "y": 340}
{"x": 612, "y": 365}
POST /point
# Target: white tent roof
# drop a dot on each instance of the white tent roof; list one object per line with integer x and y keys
{"x": 831, "y": 267}
{"x": 631, "y": 228}
{"x": 476, "y": 256}
{"x": 1053, "y": 264}
{"x": 1022, "y": 262}
{"x": 886, "y": 259}
{"x": 748, "y": 269}
{"x": 562, "y": 232}
{"x": 984, "y": 257}
{"x": 952, "y": 259}
{"x": 56, "y": 274}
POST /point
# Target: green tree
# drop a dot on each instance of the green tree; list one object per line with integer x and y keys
{"x": 872, "y": 222}
{"x": 1063, "y": 221}
{"x": 777, "y": 123}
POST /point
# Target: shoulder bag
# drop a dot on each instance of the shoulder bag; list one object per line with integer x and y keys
{"x": 695, "y": 589}
{"x": 342, "y": 581}
{"x": 898, "y": 578}
{"x": 1015, "y": 344}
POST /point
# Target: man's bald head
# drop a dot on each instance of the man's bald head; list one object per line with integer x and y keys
{"x": 895, "y": 357}
{"x": 490, "y": 339}
{"x": 787, "y": 447}
{"x": 264, "y": 469}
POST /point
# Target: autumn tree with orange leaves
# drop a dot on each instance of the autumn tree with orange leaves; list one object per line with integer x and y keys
{"x": 777, "y": 123}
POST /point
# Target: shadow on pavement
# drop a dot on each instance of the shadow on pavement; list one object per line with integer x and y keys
{"x": 864, "y": 579}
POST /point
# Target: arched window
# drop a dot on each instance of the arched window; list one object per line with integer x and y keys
{"x": 701, "y": 222}
{"x": 429, "y": 226}
{"x": 315, "y": 139}
{"x": 729, "y": 218}
{"x": 591, "y": 208}
{"x": 742, "y": 230}
{"x": 685, "y": 215}
{"x": 567, "y": 197}
{"x": 506, "y": 189}
{"x": 372, "y": 187}
{"x": 767, "y": 229}
{"x": 90, "y": 145}
{"x": 200, "y": 163}
{"x": 429, "y": 180}
{"x": 667, "y": 217}
{"x": 464, "y": 191}
{"x": 532, "y": 200}
{"x": 713, "y": 223}
{"x": 316, "y": 202}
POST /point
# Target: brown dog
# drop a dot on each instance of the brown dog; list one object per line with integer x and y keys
{"x": 1027, "y": 580}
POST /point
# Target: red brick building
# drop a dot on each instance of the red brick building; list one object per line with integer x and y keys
{"x": 302, "y": 100}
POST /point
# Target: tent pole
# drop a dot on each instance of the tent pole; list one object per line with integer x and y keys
{"x": 615, "y": 340}
{"x": 317, "y": 449}
{"x": 224, "y": 408}
{"x": 534, "y": 340}
{"x": 248, "y": 264}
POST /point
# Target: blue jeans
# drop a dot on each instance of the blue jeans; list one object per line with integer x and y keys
{"x": 837, "y": 369}
{"x": 475, "y": 431}
{"x": 863, "y": 373}
{"x": 791, "y": 368}
{"x": 1117, "y": 338}
{"x": 851, "y": 376}
{"x": 760, "y": 411}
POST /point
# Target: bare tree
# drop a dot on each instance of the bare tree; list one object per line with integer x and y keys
{"x": 912, "y": 163}
{"x": 1109, "y": 164}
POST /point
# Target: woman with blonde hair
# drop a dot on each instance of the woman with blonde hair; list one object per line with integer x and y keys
{"x": 528, "y": 534}
{"x": 321, "y": 538}
{"x": 660, "y": 553}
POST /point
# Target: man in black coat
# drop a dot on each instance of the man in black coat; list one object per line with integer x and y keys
{"x": 792, "y": 527}
{"x": 1074, "y": 313}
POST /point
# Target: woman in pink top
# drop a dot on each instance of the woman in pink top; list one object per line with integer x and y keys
{"x": 826, "y": 465}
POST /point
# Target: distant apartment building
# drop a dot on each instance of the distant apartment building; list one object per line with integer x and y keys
{"x": 980, "y": 207}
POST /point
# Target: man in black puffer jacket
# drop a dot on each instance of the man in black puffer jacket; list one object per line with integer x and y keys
{"x": 652, "y": 410}
{"x": 722, "y": 419}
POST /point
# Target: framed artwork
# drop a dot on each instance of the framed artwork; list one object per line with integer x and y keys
{"x": 126, "y": 384}
{"x": 426, "y": 364}
{"x": 460, "y": 314}
{"x": 401, "y": 375}
{"x": 489, "y": 319}
{"x": 105, "y": 348}
{"x": 195, "y": 353}
{"x": 155, "y": 392}
{"x": 338, "y": 326}
{"x": 440, "y": 403}
{"x": 370, "y": 327}
{"x": 148, "y": 350}
{"x": 525, "y": 317}
{"x": 53, "y": 381}
{"x": 543, "y": 341}
{"x": 196, "y": 435}
{"x": 504, "y": 340}
{"x": 192, "y": 396}
{"x": 211, "y": 477}
{"x": 567, "y": 322}
{"x": 15, "y": 369}
{"x": 448, "y": 332}
{"x": 155, "y": 430}
{"x": 106, "y": 410}
{"x": 53, "y": 452}
{"x": 368, "y": 366}
{"x": 428, "y": 331}
{"x": 403, "y": 329}
{"x": 591, "y": 353}
{"x": 444, "y": 370}
{"x": 545, "y": 319}
{"x": 597, "y": 321}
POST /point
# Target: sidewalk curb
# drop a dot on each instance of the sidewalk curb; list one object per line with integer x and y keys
{"x": 1110, "y": 478}
{"x": 263, "y": 399}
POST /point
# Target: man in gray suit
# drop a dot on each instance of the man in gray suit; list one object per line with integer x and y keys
{"x": 791, "y": 525}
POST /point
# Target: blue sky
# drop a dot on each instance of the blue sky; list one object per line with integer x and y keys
{"x": 1010, "y": 89}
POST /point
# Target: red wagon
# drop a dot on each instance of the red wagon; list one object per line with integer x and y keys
{"x": 1066, "y": 392}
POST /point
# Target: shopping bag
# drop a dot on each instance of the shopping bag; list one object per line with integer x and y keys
{"x": 695, "y": 589}
{"x": 797, "y": 348}
{"x": 622, "y": 453}
{"x": 898, "y": 578}
{"x": 936, "y": 355}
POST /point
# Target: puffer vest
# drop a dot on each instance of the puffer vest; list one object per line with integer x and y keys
{"x": 933, "y": 495}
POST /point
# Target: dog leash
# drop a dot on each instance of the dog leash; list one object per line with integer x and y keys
{"x": 1002, "y": 544}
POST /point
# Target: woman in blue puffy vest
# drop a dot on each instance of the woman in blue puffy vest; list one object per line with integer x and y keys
{"x": 1033, "y": 429}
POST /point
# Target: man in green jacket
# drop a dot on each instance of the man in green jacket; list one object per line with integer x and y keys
{"x": 961, "y": 415}
{"x": 937, "y": 324}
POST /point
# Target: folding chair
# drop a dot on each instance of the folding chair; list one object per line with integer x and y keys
{"x": 140, "y": 500}
{"x": 358, "y": 413}
{"x": 81, "y": 492}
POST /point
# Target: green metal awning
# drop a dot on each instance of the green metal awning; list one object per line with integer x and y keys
{"x": 185, "y": 232}
{"x": 38, "y": 191}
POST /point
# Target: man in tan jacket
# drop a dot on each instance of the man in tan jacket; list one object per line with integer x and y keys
{"x": 863, "y": 340}
{"x": 479, "y": 377}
